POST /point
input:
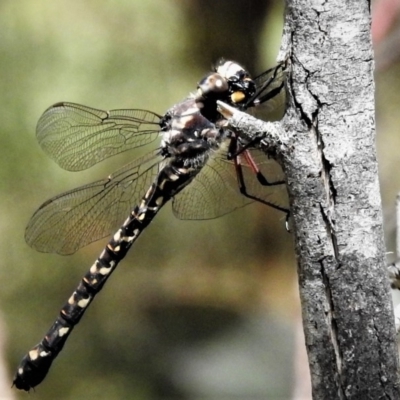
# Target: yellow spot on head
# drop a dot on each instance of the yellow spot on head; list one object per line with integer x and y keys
{"x": 237, "y": 97}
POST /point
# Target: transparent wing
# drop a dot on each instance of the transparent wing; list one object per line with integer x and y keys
{"x": 270, "y": 94}
{"x": 77, "y": 137}
{"x": 215, "y": 190}
{"x": 83, "y": 215}
{"x": 270, "y": 82}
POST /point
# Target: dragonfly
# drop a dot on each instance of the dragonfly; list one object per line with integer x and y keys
{"x": 198, "y": 164}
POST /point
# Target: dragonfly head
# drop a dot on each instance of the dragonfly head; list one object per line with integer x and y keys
{"x": 240, "y": 85}
{"x": 230, "y": 83}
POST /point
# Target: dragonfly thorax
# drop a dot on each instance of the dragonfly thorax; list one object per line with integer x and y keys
{"x": 187, "y": 134}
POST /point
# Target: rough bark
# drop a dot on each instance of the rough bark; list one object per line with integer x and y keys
{"x": 326, "y": 145}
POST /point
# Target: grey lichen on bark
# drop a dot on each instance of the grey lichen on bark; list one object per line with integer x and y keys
{"x": 326, "y": 146}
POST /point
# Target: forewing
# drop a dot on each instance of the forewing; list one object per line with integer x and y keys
{"x": 77, "y": 137}
{"x": 83, "y": 215}
{"x": 215, "y": 190}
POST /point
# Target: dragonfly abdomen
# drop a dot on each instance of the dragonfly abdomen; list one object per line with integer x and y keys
{"x": 36, "y": 363}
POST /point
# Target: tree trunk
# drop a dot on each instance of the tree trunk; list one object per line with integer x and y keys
{"x": 326, "y": 145}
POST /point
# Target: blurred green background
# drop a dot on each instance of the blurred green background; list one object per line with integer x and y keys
{"x": 197, "y": 309}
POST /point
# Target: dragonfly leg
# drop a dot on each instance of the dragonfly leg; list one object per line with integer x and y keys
{"x": 243, "y": 190}
{"x": 260, "y": 177}
{"x": 234, "y": 152}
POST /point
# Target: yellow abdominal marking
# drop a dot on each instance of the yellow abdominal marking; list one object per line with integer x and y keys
{"x": 83, "y": 302}
{"x": 33, "y": 354}
{"x": 63, "y": 331}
